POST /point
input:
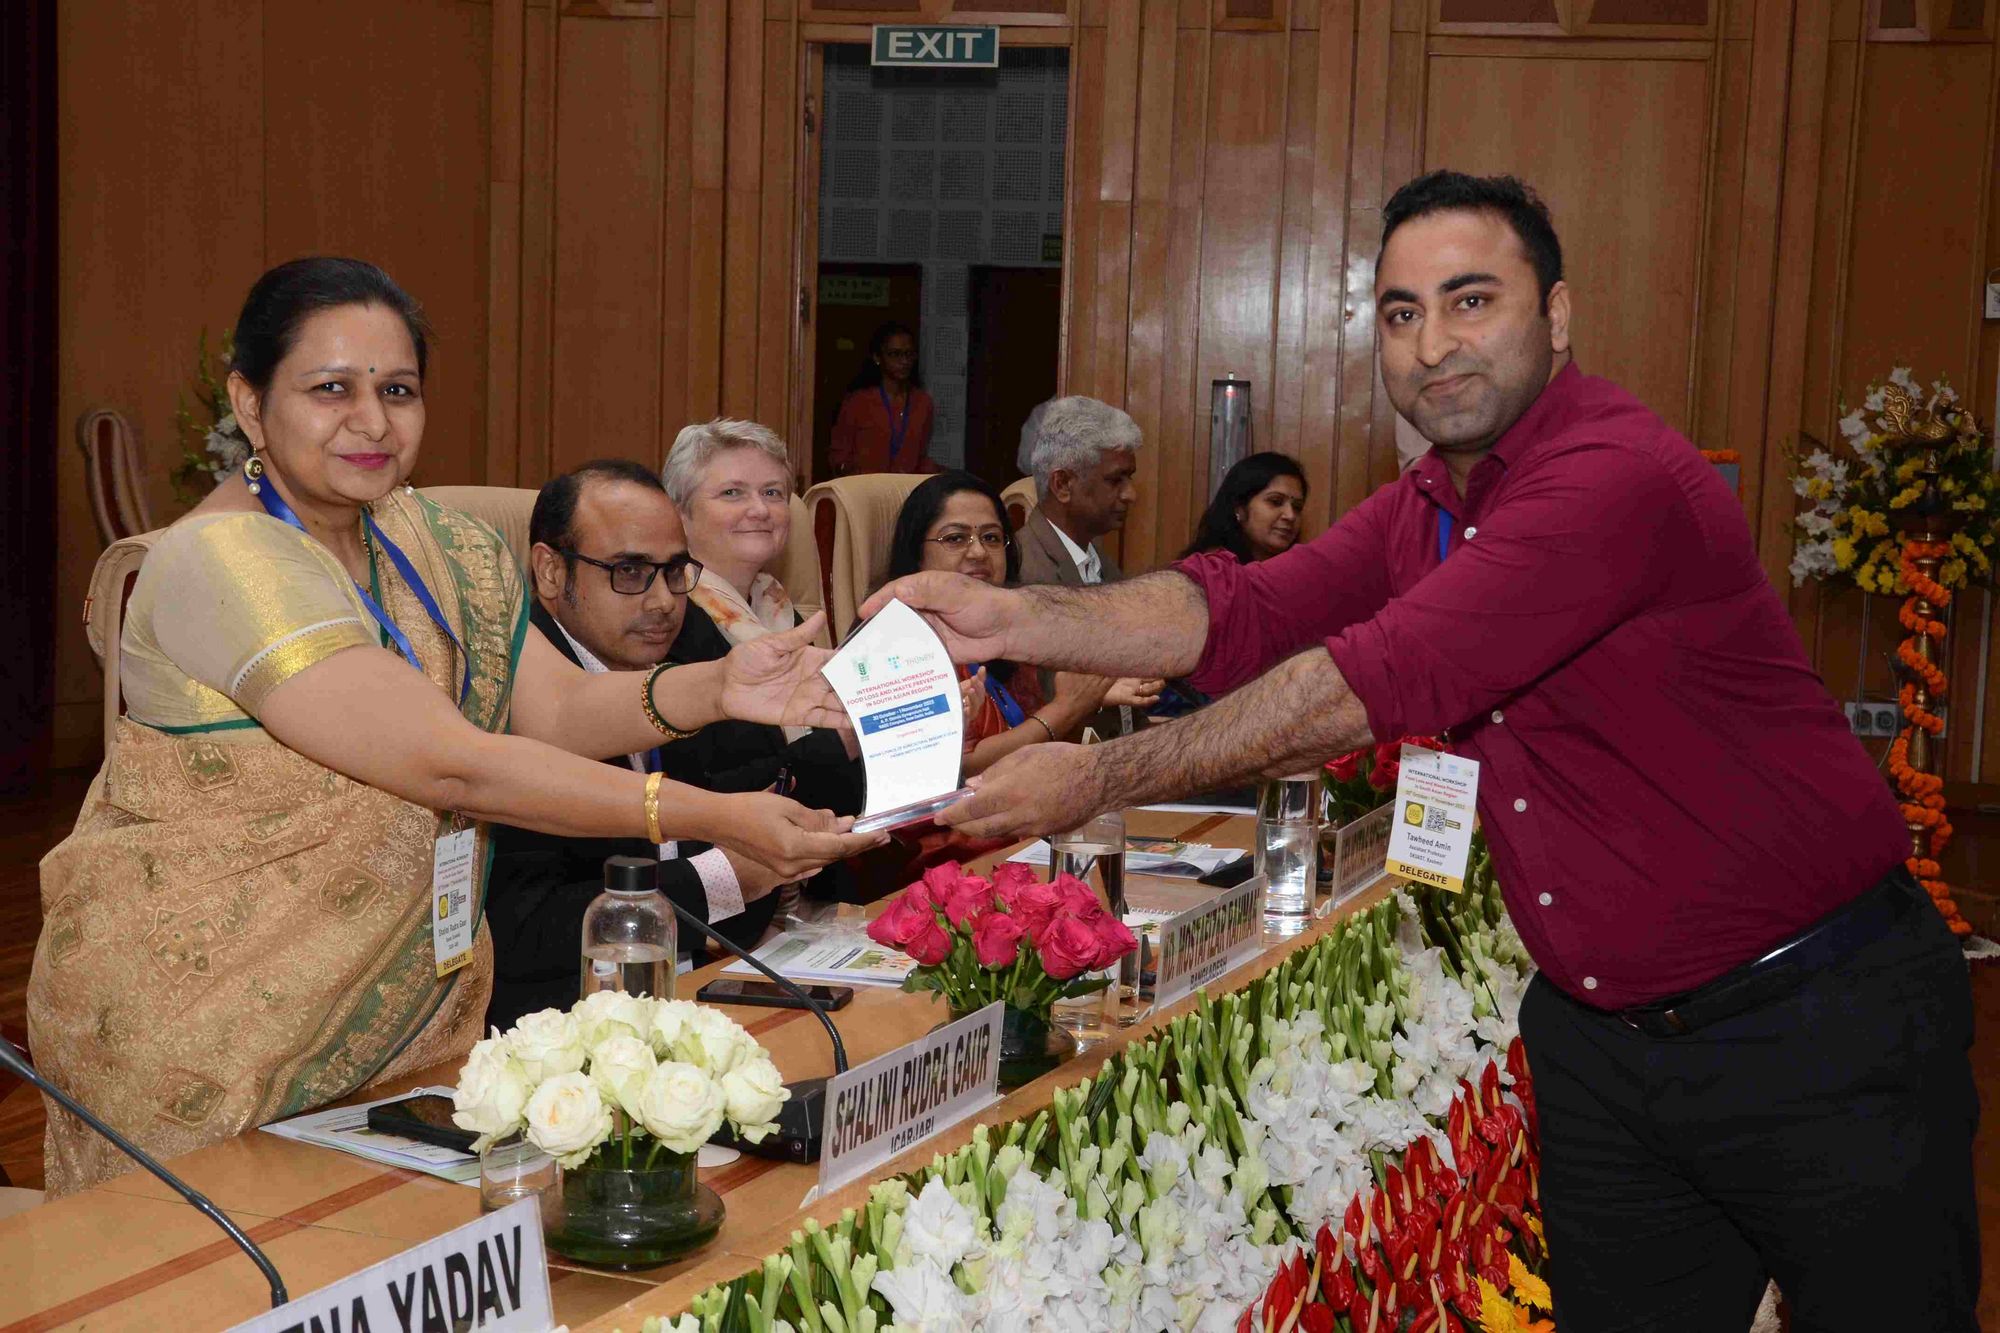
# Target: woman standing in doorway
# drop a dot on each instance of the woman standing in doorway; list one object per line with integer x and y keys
{"x": 885, "y": 421}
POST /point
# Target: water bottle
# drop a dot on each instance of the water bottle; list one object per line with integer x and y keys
{"x": 1288, "y": 813}
{"x": 629, "y": 939}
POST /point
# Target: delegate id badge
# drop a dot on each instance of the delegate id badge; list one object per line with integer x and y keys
{"x": 1430, "y": 839}
{"x": 451, "y": 899}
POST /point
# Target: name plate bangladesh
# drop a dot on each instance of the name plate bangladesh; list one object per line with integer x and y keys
{"x": 490, "y": 1274}
{"x": 876, "y": 1110}
{"x": 935, "y": 46}
{"x": 1209, "y": 941}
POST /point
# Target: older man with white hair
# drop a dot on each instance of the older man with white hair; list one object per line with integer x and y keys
{"x": 1083, "y": 455}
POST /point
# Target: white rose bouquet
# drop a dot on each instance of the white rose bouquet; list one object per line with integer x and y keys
{"x": 622, "y": 1078}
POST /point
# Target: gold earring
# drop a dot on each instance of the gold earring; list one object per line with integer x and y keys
{"x": 253, "y": 472}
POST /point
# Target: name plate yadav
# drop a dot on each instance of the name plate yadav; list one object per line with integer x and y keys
{"x": 878, "y": 1109}
{"x": 490, "y": 1274}
{"x": 1209, "y": 941}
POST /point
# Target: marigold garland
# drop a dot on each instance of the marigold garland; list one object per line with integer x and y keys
{"x": 1922, "y": 793}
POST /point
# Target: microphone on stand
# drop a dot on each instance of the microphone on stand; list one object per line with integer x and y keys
{"x": 17, "y": 1064}
{"x": 800, "y": 1119}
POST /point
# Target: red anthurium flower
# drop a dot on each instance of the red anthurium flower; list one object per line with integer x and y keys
{"x": 1316, "y": 1319}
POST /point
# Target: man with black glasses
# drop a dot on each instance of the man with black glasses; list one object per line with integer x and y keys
{"x": 610, "y": 572}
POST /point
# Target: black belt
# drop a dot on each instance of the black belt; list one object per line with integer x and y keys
{"x": 1786, "y": 967}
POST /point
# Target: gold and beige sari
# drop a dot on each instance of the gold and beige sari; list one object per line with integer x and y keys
{"x": 234, "y": 934}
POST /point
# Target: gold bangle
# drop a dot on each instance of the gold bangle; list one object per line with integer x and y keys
{"x": 653, "y": 833}
{"x": 1037, "y": 717}
{"x": 666, "y": 728}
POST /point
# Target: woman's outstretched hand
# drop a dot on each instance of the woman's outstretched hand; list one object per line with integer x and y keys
{"x": 791, "y": 839}
{"x": 776, "y": 680}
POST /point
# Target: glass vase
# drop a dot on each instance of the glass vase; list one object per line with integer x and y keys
{"x": 1030, "y": 1044}
{"x": 641, "y": 1216}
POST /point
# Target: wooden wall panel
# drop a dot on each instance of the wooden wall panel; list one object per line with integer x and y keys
{"x": 347, "y": 171}
{"x": 160, "y": 234}
{"x": 609, "y": 151}
{"x": 1762, "y": 211}
{"x": 1630, "y": 261}
{"x": 1242, "y": 210}
{"x": 1904, "y": 299}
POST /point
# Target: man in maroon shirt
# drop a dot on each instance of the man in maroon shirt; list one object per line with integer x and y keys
{"x": 1749, "y": 1033}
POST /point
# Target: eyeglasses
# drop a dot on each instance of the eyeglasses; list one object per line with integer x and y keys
{"x": 634, "y": 577}
{"x": 958, "y": 541}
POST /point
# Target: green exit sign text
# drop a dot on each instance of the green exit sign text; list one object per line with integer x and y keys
{"x": 935, "y": 46}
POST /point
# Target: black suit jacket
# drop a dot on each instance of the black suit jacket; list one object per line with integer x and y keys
{"x": 747, "y": 756}
{"x": 541, "y": 884}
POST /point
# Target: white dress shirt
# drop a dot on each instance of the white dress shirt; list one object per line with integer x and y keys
{"x": 718, "y": 878}
{"x": 1086, "y": 559}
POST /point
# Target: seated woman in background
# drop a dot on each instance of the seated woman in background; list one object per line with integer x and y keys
{"x": 732, "y": 482}
{"x": 1256, "y": 511}
{"x": 957, "y": 523}
{"x": 885, "y": 421}
{"x": 319, "y": 667}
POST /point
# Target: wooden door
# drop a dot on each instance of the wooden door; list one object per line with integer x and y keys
{"x": 1012, "y": 361}
{"x": 853, "y": 301}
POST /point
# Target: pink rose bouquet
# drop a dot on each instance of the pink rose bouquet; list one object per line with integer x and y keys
{"x": 1010, "y": 937}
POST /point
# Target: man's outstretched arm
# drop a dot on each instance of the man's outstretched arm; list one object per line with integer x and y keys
{"x": 1291, "y": 719}
{"x": 1154, "y": 626}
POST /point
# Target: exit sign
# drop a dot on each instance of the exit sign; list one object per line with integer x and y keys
{"x": 936, "y": 47}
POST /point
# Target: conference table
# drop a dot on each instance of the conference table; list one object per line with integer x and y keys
{"x": 130, "y": 1254}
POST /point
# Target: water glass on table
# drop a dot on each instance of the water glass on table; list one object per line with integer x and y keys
{"x": 1094, "y": 852}
{"x": 1287, "y": 854}
{"x": 513, "y": 1169}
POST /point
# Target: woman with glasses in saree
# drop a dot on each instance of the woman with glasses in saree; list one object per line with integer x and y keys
{"x": 329, "y": 694}
{"x": 955, "y": 522}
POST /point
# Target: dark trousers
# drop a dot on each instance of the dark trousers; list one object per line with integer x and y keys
{"x": 1822, "y": 1140}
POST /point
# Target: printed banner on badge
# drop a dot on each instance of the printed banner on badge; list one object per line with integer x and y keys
{"x": 1209, "y": 941}
{"x": 490, "y": 1275}
{"x": 1430, "y": 838}
{"x": 896, "y": 682}
{"x": 876, "y": 1110}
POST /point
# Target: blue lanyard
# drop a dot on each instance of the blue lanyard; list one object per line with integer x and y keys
{"x": 897, "y": 429}
{"x": 1010, "y": 707}
{"x": 275, "y": 506}
{"x": 1444, "y": 533}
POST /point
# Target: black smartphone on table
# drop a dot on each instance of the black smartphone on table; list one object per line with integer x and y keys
{"x": 425, "y": 1118}
{"x": 769, "y": 995}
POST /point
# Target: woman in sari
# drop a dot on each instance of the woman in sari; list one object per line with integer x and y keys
{"x": 329, "y": 693}
{"x": 956, "y": 522}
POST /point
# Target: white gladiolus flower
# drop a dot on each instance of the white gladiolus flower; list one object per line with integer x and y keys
{"x": 567, "y": 1118}
{"x": 492, "y": 1092}
{"x": 937, "y": 1228}
{"x": 924, "y": 1299}
{"x": 620, "y": 1065}
{"x": 547, "y": 1043}
{"x": 681, "y": 1106}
